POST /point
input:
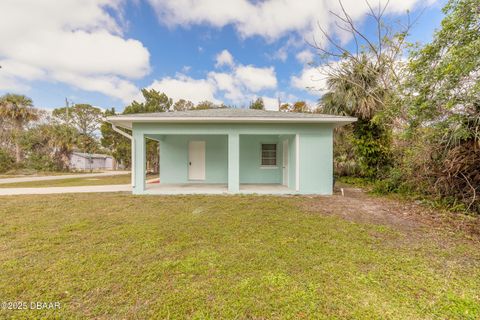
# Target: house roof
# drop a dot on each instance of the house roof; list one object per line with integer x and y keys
{"x": 91, "y": 155}
{"x": 228, "y": 115}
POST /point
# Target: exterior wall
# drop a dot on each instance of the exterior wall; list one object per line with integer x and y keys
{"x": 77, "y": 162}
{"x": 316, "y": 163}
{"x": 251, "y": 170}
{"x": 315, "y": 154}
{"x": 174, "y": 158}
{"x": 83, "y": 163}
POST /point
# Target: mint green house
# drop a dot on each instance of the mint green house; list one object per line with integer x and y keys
{"x": 234, "y": 151}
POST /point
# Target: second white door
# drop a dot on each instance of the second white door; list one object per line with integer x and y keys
{"x": 196, "y": 160}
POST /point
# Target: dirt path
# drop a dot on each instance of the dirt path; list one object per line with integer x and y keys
{"x": 404, "y": 215}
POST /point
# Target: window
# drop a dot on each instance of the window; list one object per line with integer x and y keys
{"x": 269, "y": 154}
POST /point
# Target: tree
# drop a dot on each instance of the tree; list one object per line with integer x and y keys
{"x": 119, "y": 145}
{"x": 257, "y": 104}
{"x": 285, "y": 107}
{"x": 18, "y": 109}
{"x": 205, "y": 105}
{"x": 445, "y": 105}
{"x": 298, "y": 106}
{"x": 86, "y": 119}
{"x": 48, "y": 146}
{"x": 154, "y": 102}
{"x": 365, "y": 81}
{"x": 183, "y": 105}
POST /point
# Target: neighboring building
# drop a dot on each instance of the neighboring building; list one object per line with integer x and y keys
{"x": 90, "y": 161}
{"x": 235, "y": 151}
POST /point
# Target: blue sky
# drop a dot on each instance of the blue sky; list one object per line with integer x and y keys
{"x": 103, "y": 52}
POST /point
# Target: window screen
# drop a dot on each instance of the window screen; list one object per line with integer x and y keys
{"x": 269, "y": 154}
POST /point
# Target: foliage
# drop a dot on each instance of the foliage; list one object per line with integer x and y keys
{"x": 298, "y": 106}
{"x": 444, "y": 107}
{"x": 7, "y": 162}
{"x": 183, "y": 105}
{"x": 257, "y": 104}
{"x": 19, "y": 111}
{"x": 86, "y": 120}
{"x": 354, "y": 91}
{"x": 154, "y": 102}
{"x": 49, "y": 146}
{"x": 119, "y": 146}
{"x": 203, "y": 105}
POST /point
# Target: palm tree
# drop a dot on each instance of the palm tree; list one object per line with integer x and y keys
{"x": 19, "y": 110}
{"x": 355, "y": 90}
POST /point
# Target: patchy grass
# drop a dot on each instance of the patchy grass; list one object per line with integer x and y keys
{"x": 118, "y": 256}
{"x": 35, "y": 173}
{"x": 71, "y": 182}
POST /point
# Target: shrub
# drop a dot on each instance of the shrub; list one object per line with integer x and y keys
{"x": 7, "y": 162}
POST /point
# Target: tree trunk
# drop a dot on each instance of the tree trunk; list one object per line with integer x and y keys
{"x": 18, "y": 152}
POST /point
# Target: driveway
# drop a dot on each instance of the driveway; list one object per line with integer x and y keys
{"x": 60, "y": 177}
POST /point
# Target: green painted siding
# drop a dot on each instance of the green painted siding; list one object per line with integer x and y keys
{"x": 251, "y": 170}
{"x": 174, "y": 158}
{"x": 239, "y": 160}
{"x": 316, "y": 162}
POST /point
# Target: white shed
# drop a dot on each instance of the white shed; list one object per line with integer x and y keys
{"x": 90, "y": 161}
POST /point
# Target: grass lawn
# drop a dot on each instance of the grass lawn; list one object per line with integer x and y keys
{"x": 118, "y": 256}
{"x": 72, "y": 182}
{"x": 34, "y": 173}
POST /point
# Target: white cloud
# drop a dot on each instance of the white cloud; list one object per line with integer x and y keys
{"x": 256, "y": 79}
{"x": 270, "y": 103}
{"x": 305, "y": 56}
{"x": 239, "y": 85}
{"x": 311, "y": 79}
{"x": 270, "y": 19}
{"x": 184, "y": 87}
{"x": 72, "y": 41}
{"x": 224, "y": 58}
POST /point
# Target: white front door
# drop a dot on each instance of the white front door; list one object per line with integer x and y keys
{"x": 285, "y": 162}
{"x": 196, "y": 160}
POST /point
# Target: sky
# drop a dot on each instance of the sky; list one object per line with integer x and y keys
{"x": 103, "y": 52}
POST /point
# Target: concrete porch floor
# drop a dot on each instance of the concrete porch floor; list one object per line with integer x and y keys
{"x": 213, "y": 188}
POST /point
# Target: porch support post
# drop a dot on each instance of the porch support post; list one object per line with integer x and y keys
{"x": 139, "y": 162}
{"x": 297, "y": 162}
{"x": 233, "y": 162}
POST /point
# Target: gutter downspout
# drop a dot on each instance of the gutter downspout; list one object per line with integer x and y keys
{"x": 123, "y": 133}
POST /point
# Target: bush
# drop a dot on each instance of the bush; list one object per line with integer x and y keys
{"x": 7, "y": 162}
{"x": 40, "y": 162}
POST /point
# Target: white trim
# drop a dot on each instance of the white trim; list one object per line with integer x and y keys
{"x": 297, "y": 162}
{"x": 268, "y": 167}
{"x": 285, "y": 163}
{"x": 334, "y": 120}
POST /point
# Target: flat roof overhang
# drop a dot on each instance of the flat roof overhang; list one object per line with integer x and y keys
{"x": 126, "y": 122}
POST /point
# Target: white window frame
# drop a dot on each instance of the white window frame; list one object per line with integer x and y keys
{"x": 269, "y": 166}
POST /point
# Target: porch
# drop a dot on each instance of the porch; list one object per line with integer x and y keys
{"x": 220, "y": 163}
{"x": 215, "y": 188}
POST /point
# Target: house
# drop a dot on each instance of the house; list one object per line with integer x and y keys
{"x": 234, "y": 150}
{"x": 90, "y": 161}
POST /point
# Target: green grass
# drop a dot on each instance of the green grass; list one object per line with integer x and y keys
{"x": 118, "y": 256}
{"x": 72, "y": 182}
{"x": 35, "y": 173}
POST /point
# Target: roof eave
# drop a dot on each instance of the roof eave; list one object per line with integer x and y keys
{"x": 126, "y": 122}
